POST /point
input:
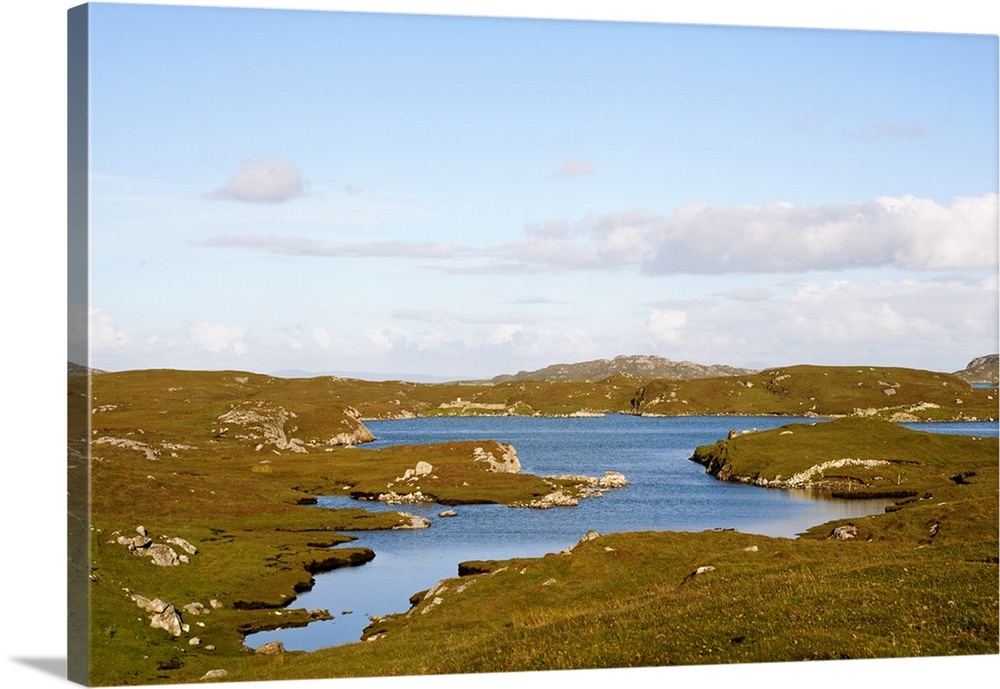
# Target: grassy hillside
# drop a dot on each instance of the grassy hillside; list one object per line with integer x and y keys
{"x": 892, "y": 393}
{"x": 898, "y": 394}
{"x": 638, "y": 366}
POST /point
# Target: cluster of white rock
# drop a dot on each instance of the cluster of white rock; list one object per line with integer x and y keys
{"x": 161, "y": 554}
{"x": 149, "y": 451}
{"x": 583, "y": 487}
{"x": 265, "y": 424}
{"x": 804, "y": 478}
{"x": 165, "y": 616}
{"x": 594, "y": 486}
{"x": 411, "y": 521}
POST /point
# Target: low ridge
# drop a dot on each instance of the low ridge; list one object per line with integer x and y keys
{"x": 641, "y": 366}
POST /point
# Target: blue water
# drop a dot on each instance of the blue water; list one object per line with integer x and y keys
{"x": 666, "y": 491}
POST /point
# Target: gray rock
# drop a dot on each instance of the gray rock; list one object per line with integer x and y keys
{"x": 183, "y": 545}
{"x": 214, "y": 674}
{"x": 167, "y": 620}
{"x": 136, "y": 542}
{"x": 845, "y": 532}
{"x": 271, "y": 648}
{"x": 195, "y": 609}
{"x": 163, "y": 555}
{"x": 155, "y": 606}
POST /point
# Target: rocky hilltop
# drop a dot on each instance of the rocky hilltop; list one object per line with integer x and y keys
{"x": 983, "y": 369}
{"x": 638, "y": 366}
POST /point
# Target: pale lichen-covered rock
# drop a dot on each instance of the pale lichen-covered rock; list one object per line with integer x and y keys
{"x": 136, "y": 542}
{"x": 411, "y": 521}
{"x": 271, "y": 648}
{"x": 154, "y": 606}
{"x": 507, "y": 462}
{"x": 183, "y": 545}
{"x": 214, "y": 674}
{"x": 557, "y": 498}
{"x": 149, "y": 452}
{"x": 168, "y": 620}
{"x": 394, "y": 498}
{"x": 162, "y": 555}
{"x": 196, "y": 609}
{"x": 263, "y": 422}
{"x": 845, "y": 533}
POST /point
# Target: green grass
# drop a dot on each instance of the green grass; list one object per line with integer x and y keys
{"x": 163, "y": 459}
{"x": 917, "y": 580}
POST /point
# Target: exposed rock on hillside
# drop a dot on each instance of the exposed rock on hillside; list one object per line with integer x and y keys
{"x": 268, "y": 424}
{"x": 639, "y": 366}
{"x": 983, "y": 369}
{"x": 507, "y": 463}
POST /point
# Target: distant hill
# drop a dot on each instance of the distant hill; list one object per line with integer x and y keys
{"x": 362, "y": 375}
{"x": 639, "y": 366}
{"x": 983, "y": 369}
{"x": 74, "y": 370}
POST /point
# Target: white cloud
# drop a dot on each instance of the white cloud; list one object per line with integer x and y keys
{"x": 322, "y": 337}
{"x": 266, "y": 180}
{"x": 306, "y": 246}
{"x": 216, "y": 337}
{"x": 665, "y": 326}
{"x": 103, "y": 334}
{"x": 905, "y": 232}
{"x": 902, "y": 322}
{"x": 574, "y": 167}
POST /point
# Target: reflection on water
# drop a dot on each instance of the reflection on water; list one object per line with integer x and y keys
{"x": 666, "y": 491}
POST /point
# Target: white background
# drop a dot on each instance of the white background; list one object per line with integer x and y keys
{"x": 32, "y": 216}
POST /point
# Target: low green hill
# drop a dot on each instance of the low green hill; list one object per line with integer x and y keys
{"x": 898, "y": 394}
{"x": 636, "y": 366}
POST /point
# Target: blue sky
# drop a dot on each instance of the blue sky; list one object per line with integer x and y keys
{"x": 466, "y": 196}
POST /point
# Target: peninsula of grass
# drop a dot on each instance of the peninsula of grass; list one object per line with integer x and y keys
{"x": 230, "y": 463}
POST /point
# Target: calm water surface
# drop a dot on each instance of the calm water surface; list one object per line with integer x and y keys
{"x": 666, "y": 491}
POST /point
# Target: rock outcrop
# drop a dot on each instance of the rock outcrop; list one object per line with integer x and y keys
{"x": 161, "y": 554}
{"x": 983, "y": 369}
{"x": 507, "y": 462}
{"x": 270, "y": 425}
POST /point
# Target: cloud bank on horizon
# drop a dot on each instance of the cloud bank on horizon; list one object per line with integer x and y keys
{"x": 740, "y": 198}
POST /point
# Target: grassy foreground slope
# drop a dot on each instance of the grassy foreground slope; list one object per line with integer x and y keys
{"x": 918, "y": 580}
